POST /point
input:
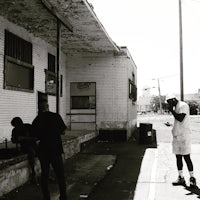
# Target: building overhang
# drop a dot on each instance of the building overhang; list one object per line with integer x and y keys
{"x": 81, "y": 30}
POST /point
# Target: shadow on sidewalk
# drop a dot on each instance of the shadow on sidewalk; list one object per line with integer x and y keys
{"x": 193, "y": 191}
{"x": 102, "y": 170}
{"x": 120, "y": 182}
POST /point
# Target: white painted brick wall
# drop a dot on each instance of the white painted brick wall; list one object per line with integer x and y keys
{"x": 111, "y": 75}
{"x": 24, "y": 104}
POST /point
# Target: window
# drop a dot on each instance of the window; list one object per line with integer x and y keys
{"x": 132, "y": 91}
{"x": 84, "y": 102}
{"x": 51, "y": 63}
{"x": 132, "y": 88}
{"x": 133, "y": 78}
{"x": 18, "y": 48}
{"x": 18, "y": 68}
{"x": 51, "y": 79}
{"x": 83, "y": 95}
{"x": 80, "y": 102}
{"x": 50, "y": 82}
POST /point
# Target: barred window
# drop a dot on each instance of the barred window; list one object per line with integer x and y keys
{"x": 18, "y": 68}
{"x": 18, "y": 48}
{"x": 51, "y": 63}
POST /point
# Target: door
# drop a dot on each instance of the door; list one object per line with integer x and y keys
{"x": 42, "y": 97}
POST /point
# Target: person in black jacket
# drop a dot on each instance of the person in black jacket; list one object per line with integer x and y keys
{"x": 21, "y": 134}
{"x": 48, "y": 128}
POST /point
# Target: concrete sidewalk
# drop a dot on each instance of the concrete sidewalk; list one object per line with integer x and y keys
{"x": 158, "y": 171}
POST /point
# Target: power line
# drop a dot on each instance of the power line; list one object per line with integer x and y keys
{"x": 169, "y": 76}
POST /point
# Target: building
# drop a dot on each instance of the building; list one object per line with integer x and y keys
{"x": 144, "y": 101}
{"x": 58, "y": 51}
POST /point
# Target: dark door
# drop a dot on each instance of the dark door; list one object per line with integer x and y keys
{"x": 42, "y": 97}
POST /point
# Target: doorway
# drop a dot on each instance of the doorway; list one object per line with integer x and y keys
{"x": 42, "y": 97}
{"x": 83, "y": 105}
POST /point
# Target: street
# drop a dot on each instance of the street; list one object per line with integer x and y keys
{"x": 164, "y": 132}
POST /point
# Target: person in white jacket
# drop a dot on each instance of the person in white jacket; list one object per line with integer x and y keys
{"x": 181, "y": 143}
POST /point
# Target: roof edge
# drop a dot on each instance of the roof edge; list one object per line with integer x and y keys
{"x": 116, "y": 48}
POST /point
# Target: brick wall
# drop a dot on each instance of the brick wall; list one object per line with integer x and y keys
{"x": 111, "y": 74}
{"x": 24, "y": 104}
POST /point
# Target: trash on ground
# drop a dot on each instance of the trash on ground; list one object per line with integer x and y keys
{"x": 167, "y": 124}
{"x": 109, "y": 167}
{"x": 83, "y": 196}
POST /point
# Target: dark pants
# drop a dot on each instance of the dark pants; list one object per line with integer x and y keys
{"x": 57, "y": 163}
{"x": 187, "y": 159}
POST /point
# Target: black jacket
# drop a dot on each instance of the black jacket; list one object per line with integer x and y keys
{"x": 48, "y": 128}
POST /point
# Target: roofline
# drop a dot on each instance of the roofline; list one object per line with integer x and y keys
{"x": 100, "y": 24}
{"x": 129, "y": 54}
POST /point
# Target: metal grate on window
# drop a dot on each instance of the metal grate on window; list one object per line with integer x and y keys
{"x": 18, "y": 48}
{"x": 51, "y": 63}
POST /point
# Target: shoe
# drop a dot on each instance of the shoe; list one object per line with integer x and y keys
{"x": 193, "y": 183}
{"x": 179, "y": 181}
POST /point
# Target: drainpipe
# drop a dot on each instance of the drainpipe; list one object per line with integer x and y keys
{"x": 58, "y": 66}
{"x": 60, "y": 20}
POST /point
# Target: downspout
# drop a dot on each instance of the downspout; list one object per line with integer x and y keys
{"x": 58, "y": 66}
{"x": 60, "y": 20}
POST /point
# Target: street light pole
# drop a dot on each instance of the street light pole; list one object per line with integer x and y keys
{"x": 181, "y": 52}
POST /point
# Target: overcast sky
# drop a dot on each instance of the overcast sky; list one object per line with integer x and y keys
{"x": 150, "y": 30}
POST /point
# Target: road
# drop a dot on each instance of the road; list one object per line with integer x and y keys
{"x": 163, "y": 132}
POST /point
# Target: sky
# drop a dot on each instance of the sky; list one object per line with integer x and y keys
{"x": 150, "y": 30}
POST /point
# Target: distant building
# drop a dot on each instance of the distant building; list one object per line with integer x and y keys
{"x": 144, "y": 101}
{"x": 191, "y": 97}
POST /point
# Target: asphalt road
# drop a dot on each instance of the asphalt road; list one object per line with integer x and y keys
{"x": 163, "y": 132}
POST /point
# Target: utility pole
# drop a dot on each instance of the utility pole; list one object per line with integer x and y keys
{"x": 160, "y": 96}
{"x": 181, "y": 52}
